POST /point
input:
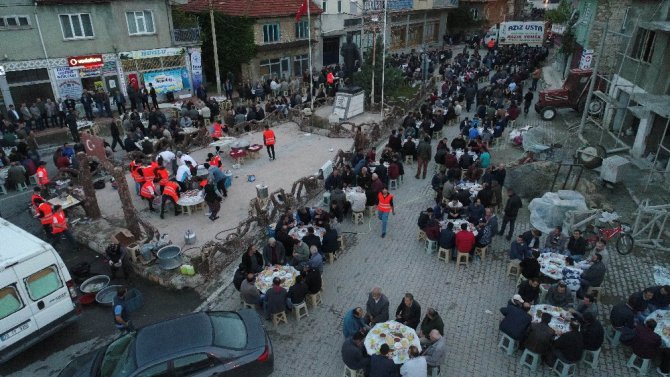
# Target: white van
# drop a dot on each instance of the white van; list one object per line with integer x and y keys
{"x": 37, "y": 295}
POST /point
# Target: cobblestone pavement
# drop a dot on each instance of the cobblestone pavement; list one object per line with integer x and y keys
{"x": 468, "y": 299}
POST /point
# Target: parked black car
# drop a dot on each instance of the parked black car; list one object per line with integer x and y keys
{"x": 199, "y": 344}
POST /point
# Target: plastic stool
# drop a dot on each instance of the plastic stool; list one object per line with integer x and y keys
{"x": 508, "y": 344}
{"x": 431, "y": 246}
{"x": 3, "y": 189}
{"x": 33, "y": 179}
{"x": 409, "y": 159}
{"x": 513, "y": 269}
{"x": 279, "y": 318}
{"x": 246, "y": 305}
{"x": 393, "y": 184}
{"x": 443, "y": 254}
{"x": 372, "y": 210}
{"x": 357, "y": 217}
{"x": 534, "y": 360}
{"x": 314, "y": 299}
{"x": 21, "y": 187}
{"x": 348, "y": 372}
{"x": 421, "y": 235}
{"x": 300, "y": 310}
{"x": 563, "y": 369}
{"x": 462, "y": 259}
{"x": 590, "y": 358}
{"x": 481, "y": 251}
{"x": 639, "y": 364}
{"x": 613, "y": 337}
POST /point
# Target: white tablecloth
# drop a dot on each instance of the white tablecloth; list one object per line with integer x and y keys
{"x": 301, "y": 231}
{"x": 552, "y": 265}
{"x": 457, "y": 225}
{"x": 560, "y": 318}
{"x": 190, "y": 198}
{"x": 398, "y": 337}
{"x": 287, "y": 274}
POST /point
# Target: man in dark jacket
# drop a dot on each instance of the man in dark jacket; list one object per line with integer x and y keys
{"x": 577, "y": 245}
{"x": 510, "y": 213}
{"x": 252, "y": 260}
{"x": 408, "y": 312}
{"x": 424, "y": 152}
{"x": 646, "y": 343}
{"x": 540, "y": 337}
{"x": 354, "y": 355}
{"x": 516, "y": 321}
{"x": 622, "y": 315}
{"x": 381, "y": 365}
{"x": 529, "y": 290}
{"x": 568, "y": 347}
{"x": 276, "y": 299}
{"x": 377, "y": 307}
{"x": 592, "y": 276}
{"x": 432, "y": 321}
{"x": 661, "y": 299}
{"x": 312, "y": 279}
{"x": 530, "y": 267}
{"x": 592, "y": 331}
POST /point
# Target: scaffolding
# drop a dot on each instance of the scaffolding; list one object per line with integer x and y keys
{"x": 609, "y": 114}
{"x": 649, "y": 226}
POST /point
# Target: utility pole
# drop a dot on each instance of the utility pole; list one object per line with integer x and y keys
{"x": 216, "y": 49}
{"x": 384, "y": 57}
{"x": 592, "y": 84}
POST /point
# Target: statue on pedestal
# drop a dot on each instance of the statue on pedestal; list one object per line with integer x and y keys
{"x": 351, "y": 55}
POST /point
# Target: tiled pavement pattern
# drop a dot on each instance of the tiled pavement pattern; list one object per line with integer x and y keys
{"x": 468, "y": 299}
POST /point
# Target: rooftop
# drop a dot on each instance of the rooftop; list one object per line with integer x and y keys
{"x": 251, "y": 8}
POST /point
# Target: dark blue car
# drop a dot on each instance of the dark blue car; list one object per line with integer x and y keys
{"x": 198, "y": 344}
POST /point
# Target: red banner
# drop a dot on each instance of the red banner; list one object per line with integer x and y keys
{"x": 132, "y": 79}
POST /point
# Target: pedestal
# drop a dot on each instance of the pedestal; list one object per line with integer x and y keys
{"x": 349, "y": 102}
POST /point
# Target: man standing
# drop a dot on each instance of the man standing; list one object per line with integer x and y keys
{"x": 527, "y": 99}
{"x": 59, "y": 227}
{"x": 153, "y": 95}
{"x": 116, "y": 137}
{"x": 120, "y": 102}
{"x": 121, "y": 320}
{"x": 377, "y": 307}
{"x": 71, "y": 121}
{"x": 42, "y": 175}
{"x": 537, "y": 73}
{"x": 510, "y": 212}
{"x": 384, "y": 206}
{"x": 269, "y": 141}
{"x": 423, "y": 152}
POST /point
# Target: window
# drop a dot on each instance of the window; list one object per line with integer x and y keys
{"x": 76, "y": 26}
{"x": 301, "y": 30}
{"x": 270, "y": 33}
{"x": 416, "y": 34}
{"x": 300, "y": 64}
{"x": 339, "y": 6}
{"x": 270, "y": 67}
{"x": 352, "y": 22}
{"x": 643, "y": 49}
{"x": 140, "y": 22}
{"x": 43, "y": 283}
{"x": 474, "y": 13}
{"x": 323, "y": 6}
{"x": 398, "y": 37}
{"x": 191, "y": 364}
{"x": 14, "y": 22}
{"x": 432, "y": 31}
{"x": 10, "y": 302}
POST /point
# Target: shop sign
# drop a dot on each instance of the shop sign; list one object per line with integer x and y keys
{"x": 109, "y": 67}
{"x": 587, "y": 58}
{"x": 65, "y": 73}
{"x": 90, "y": 72}
{"x": 157, "y": 53}
{"x": 88, "y": 61}
{"x": 71, "y": 88}
{"x": 196, "y": 68}
{"x": 167, "y": 81}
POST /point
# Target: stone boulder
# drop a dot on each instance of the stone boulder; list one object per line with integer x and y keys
{"x": 531, "y": 180}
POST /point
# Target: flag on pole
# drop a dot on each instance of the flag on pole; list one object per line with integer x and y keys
{"x": 301, "y": 11}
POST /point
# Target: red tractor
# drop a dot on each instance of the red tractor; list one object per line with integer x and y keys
{"x": 572, "y": 94}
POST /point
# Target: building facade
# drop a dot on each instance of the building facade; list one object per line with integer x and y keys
{"x": 491, "y": 11}
{"x": 58, "y": 48}
{"x": 411, "y": 24}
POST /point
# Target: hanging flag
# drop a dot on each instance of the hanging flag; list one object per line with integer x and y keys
{"x": 301, "y": 11}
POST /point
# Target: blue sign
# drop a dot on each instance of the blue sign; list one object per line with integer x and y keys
{"x": 400, "y": 4}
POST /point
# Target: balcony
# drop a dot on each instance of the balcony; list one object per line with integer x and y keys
{"x": 190, "y": 36}
{"x": 437, "y": 4}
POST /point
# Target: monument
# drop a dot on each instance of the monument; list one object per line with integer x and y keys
{"x": 349, "y": 100}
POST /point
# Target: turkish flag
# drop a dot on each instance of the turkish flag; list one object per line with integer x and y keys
{"x": 301, "y": 11}
{"x": 94, "y": 145}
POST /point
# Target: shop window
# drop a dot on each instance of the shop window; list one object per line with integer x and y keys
{"x": 14, "y": 22}
{"x": 10, "y": 301}
{"x": 398, "y": 37}
{"x": 432, "y": 31}
{"x": 76, "y": 26}
{"x": 173, "y": 61}
{"x": 352, "y": 22}
{"x": 27, "y": 76}
{"x": 270, "y": 33}
{"x": 415, "y": 34}
{"x": 474, "y": 13}
{"x": 323, "y": 6}
{"x": 643, "y": 48}
{"x": 140, "y": 22}
{"x": 301, "y": 30}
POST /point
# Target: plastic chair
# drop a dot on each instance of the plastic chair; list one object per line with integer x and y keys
{"x": 443, "y": 254}
{"x": 481, "y": 251}
{"x": 613, "y": 337}
{"x": 21, "y": 187}
{"x": 3, "y": 189}
{"x": 508, "y": 344}
{"x": 535, "y": 360}
{"x": 421, "y": 235}
{"x": 300, "y": 310}
{"x": 431, "y": 246}
{"x": 33, "y": 179}
{"x": 357, "y": 217}
{"x": 639, "y": 364}
{"x": 462, "y": 259}
{"x": 314, "y": 299}
{"x": 590, "y": 358}
{"x": 246, "y": 305}
{"x": 563, "y": 369}
{"x": 409, "y": 159}
{"x": 513, "y": 269}
{"x": 278, "y": 318}
{"x": 393, "y": 184}
{"x": 348, "y": 372}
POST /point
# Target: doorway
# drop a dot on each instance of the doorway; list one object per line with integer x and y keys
{"x": 331, "y": 50}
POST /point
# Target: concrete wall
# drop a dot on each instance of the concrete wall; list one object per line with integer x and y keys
{"x": 109, "y": 27}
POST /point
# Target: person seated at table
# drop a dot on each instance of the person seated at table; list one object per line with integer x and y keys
{"x": 577, "y": 245}
{"x": 540, "y": 336}
{"x": 529, "y": 290}
{"x": 516, "y": 318}
{"x": 588, "y": 305}
{"x": 377, "y": 307}
{"x": 315, "y": 259}
{"x": 335, "y": 211}
{"x": 438, "y": 210}
{"x": 484, "y": 234}
{"x": 276, "y": 299}
{"x": 334, "y": 180}
{"x": 568, "y": 347}
{"x": 147, "y": 146}
{"x": 555, "y": 241}
{"x": 320, "y": 217}
{"x": 437, "y": 183}
{"x": 353, "y": 322}
{"x": 646, "y": 343}
{"x": 640, "y": 302}
{"x": 330, "y": 243}
{"x": 338, "y": 196}
{"x": 661, "y": 299}
{"x": 592, "y": 331}
{"x": 424, "y": 216}
{"x": 465, "y": 240}
{"x": 312, "y": 239}
{"x": 530, "y": 267}
{"x": 312, "y": 279}
{"x": 281, "y": 234}
{"x": 300, "y": 252}
{"x": 475, "y": 211}
{"x": 409, "y": 148}
{"x": 518, "y": 249}
{"x": 303, "y": 216}
{"x": 571, "y": 275}
{"x": 248, "y": 291}
{"x": 432, "y": 229}
{"x": 252, "y": 260}
{"x": 532, "y": 238}
{"x": 622, "y": 316}
{"x": 431, "y": 321}
{"x": 358, "y": 200}
{"x": 409, "y": 311}
{"x": 453, "y": 213}
{"x": 592, "y": 276}
{"x": 298, "y": 291}
{"x": 558, "y": 295}
{"x": 473, "y": 173}
{"x": 274, "y": 252}
{"x": 354, "y": 355}
{"x": 447, "y": 239}
{"x": 348, "y": 176}
{"x": 437, "y": 352}
{"x": 382, "y": 365}
{"x": 416, "y": 366}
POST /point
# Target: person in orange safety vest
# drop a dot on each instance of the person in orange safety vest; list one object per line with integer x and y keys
{"x": 149, "y": 192}
{"x": 45, "y": 214}
{"x": 170, "y": 193}
{"x": 37, "y": 194}
{"x": 59, "y": 228}
{"x": 42, "y": 175}
{"x": 162, "y": 175}
{"x": 269, "y": 141}
{"x": 136, "y": 173}
{"x": 384, "y": 206}
{"x": 217, "y": 130}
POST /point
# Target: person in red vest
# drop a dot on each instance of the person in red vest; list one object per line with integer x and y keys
{"x": 149, "y": 192}
{"x": 42, "y": 175}
{"x": 491, "y": 44}
{"x": 59, "y": 227}
{"x": 162, "y": 175}
{"x": 170, "y": 193}
{"x": 269, "y": 141}
{"x": 37, "y": 194}
{"x": 465, "y": 240}
{"x": 384, "y": 206}
{"x": 136, "y": 173}
{"x": 214, "y": 160}
{"x": 149, "y": 172}
{"x": 217, "y": 130}
{"x": 45, "y": 213}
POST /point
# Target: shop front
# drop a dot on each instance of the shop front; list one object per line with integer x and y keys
{"x": 167, "y": 69}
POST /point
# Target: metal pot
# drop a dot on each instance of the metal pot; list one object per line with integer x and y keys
{"x": 169, "y": 257}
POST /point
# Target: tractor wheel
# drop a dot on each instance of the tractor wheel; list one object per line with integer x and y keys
{"x": 548, "y": 113}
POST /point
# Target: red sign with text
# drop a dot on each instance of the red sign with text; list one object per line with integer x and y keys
{"x": 88, "y": 61}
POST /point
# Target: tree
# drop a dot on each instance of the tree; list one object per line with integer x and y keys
{"x": 560, "y": 14}
{"x": 235, "y": 37}
{"x": 393, "y": 77}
